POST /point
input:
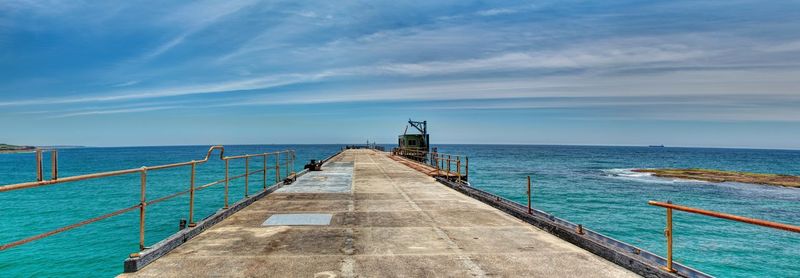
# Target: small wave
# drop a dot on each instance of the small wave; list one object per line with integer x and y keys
{"x": 629, "y": 174}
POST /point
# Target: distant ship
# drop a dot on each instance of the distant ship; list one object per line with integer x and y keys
{"x": 656, "y": 146}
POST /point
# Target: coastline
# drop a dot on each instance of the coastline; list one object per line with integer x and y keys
{"x": 8, "y": 148}
{"x": 16, "y": 151}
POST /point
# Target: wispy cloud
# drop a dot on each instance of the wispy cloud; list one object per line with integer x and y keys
{"x": 126, "y": 84}
{"x": 577, "y": 59}
{"x": 608, "y": 55}
{"x": 114, "y": 111}
{"x": 194, "y": 18}
{"x": 493, "y": 12}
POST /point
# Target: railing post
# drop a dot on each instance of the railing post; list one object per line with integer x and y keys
{"x": 287, "y": 164}
{"x": 191, "y": 196}
{"x": 277, "y": 167}
{"x": 668, "y": 234}
{"x": 226, "y": 183}
{"x": 448, "y": 166}
{"x": 142, "y": 206}
{"x": 246, "y": 175}
{"x": 530, "y": 210}
{"x": 265, "y": 172}
{"x": 39, "y": 165}
{"x": 466, "y": 169}
{"x": 54, "y": 160}
{"x": 458, "y": 168}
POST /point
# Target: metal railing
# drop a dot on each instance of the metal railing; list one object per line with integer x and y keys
{"x": 668, "y": 230}
{"x": 454, "y": 167}
{"x": 288, "y": 161}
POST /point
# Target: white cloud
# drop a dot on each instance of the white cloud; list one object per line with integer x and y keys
{"x": 493, "y": 12}
{"x": 576, "y": 58}
{"x": 782, "y": 47}
{"x": 114, "y": 111}
{"x": 126, "y": 84}
{"x": 195, "y": 17}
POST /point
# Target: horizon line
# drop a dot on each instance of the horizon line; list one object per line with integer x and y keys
{"x": 483, "y": 144}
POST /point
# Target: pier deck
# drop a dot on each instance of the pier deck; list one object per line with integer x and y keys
{"x": 387, "y": 220}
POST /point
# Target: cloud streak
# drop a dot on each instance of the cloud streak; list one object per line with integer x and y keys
{"x": 114, "y": 111}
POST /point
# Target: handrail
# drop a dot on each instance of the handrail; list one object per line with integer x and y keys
{"x": 103, "y": 174}
{"x": 668, "y": 230}
{"x": 144, "y": 203}
{"x": 444, "y": 163}
{"x": 754, "y": 221}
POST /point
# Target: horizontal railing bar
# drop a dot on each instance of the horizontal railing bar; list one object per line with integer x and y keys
{"x": 257, "y": 171}
{"x": 109, "y": 173}
{"x": 66, "y": 228}
{"x": 246, "y": 156}
{"x": 159, "y": 200}
{"x": 254, "y": 155}
{"x": 209, "y": 184}
{"x": 68, "y": 179}
{"x": 122, "y": 172}
{"x": 237, "y": 177}
{"x": 242, "y": 175}
{"x": 174, "y": 165}
{"x": 245, "y": 174}
{"x": 759, "y": 222}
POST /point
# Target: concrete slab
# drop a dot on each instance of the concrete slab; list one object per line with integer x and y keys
{"x": 387, "y": 220}
{"x": 335, "y": 177}
{"x": 300, "y": 219}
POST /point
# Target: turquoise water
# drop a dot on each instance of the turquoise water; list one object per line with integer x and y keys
{"x": 587, "y": 185}
{"x": 592, "y": 186}
{"x": 98, "y": 249}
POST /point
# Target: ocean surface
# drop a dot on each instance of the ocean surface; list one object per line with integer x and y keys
{"x": 589, "y": 185}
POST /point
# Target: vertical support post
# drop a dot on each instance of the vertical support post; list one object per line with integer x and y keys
{"x": 458, "y": 167}
{"x": 530, "y": 210}
{"x": 226, "y": 183}
{"x": 448, "y": 166}
{"x": 466, "y": 169}
{"x": 142, "y": 206}
{"x": 265, "y": 172}
{"x": 668, "y": 234}
{"x": 191, "y": 196}
{"x": 54, "y": 163}
{"x": 246, "y": 175}
{"x": 287, "y": 164}
{"x": 39, "y": 165}
{"x": 277, "y": 167}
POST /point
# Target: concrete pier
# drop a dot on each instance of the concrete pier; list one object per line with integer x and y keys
{"x": 386, "y": 220}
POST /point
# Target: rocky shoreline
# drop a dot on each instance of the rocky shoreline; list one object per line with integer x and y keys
{"x": 725, "y": 176}
{"x": 6, "y": 148}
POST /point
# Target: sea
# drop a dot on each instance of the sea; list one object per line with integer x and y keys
{"x": 589, "y": 185}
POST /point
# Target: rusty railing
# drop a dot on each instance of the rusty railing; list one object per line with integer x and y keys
{"x": 453, "y": 167}
{"x": 288, "y": 161}
{"x": 668, "y": 230}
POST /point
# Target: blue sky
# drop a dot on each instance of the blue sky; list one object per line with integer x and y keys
{"x": 682, "y": 73}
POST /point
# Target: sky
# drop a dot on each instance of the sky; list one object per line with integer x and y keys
{"x": 130, "y": 73}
